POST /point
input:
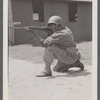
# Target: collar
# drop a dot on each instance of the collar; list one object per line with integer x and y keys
{"x": 61, "y": 28}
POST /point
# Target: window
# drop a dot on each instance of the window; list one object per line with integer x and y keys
{"x": 72, "y": 11}
{"x": 38, "y": 10}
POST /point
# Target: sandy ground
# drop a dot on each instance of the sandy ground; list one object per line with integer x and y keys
{"x": 24, "y": 85}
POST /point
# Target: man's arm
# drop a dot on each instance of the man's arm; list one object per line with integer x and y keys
{"x": 43, "y": 28}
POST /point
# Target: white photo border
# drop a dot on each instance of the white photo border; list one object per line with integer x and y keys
{"x": 5, "y": 50}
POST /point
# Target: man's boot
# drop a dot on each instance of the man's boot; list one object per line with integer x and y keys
{"x": 77, "y": 64}
{"x": 62, "y": 67}
{"x": 47, "y": 71}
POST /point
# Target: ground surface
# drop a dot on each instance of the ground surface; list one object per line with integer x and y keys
{"x": 25, "y": 62}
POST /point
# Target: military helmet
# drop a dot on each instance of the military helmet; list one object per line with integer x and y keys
{"x": 55, "y": 20}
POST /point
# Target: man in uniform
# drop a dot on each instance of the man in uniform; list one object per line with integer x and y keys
{"x": 60, "y": 45}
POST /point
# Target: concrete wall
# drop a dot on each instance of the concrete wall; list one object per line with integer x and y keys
{"x": 22, "y": 12}
{"x": 82, "y": 29}
{"x": 56, "y": 8}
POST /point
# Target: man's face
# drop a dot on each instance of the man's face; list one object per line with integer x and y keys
{"x": 53, "y": 27}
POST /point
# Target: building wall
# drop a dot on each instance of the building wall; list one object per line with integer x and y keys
{"x": 56, "y": 8}
{"x": 85, "y": 21}
{"x": 82, "y": 29}
{"x": 22, "y": 12}
{"x": 10, "y": 28}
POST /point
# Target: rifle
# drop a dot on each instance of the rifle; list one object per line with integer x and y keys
{"x": 32, "y": 28}
{"x": 39, "y": 40}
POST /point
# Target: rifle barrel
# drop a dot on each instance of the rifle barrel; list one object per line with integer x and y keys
{"x": 34, "y": 27}
{"x": 19, "y": 27}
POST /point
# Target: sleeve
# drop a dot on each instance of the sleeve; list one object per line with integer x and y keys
{"x": 54, "y": 39}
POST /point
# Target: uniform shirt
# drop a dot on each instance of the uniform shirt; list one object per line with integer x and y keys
{"x": 62, "y": 38}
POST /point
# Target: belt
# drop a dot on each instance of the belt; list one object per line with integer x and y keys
{"x": 62, "y": 47}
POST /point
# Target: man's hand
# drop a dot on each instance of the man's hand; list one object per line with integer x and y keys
{"x": 27, "y": 29}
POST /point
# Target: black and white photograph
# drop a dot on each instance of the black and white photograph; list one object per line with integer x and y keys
{"x": 51, "y": 50}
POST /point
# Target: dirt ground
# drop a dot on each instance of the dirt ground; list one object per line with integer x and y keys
{"x": 25, "y": 62}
